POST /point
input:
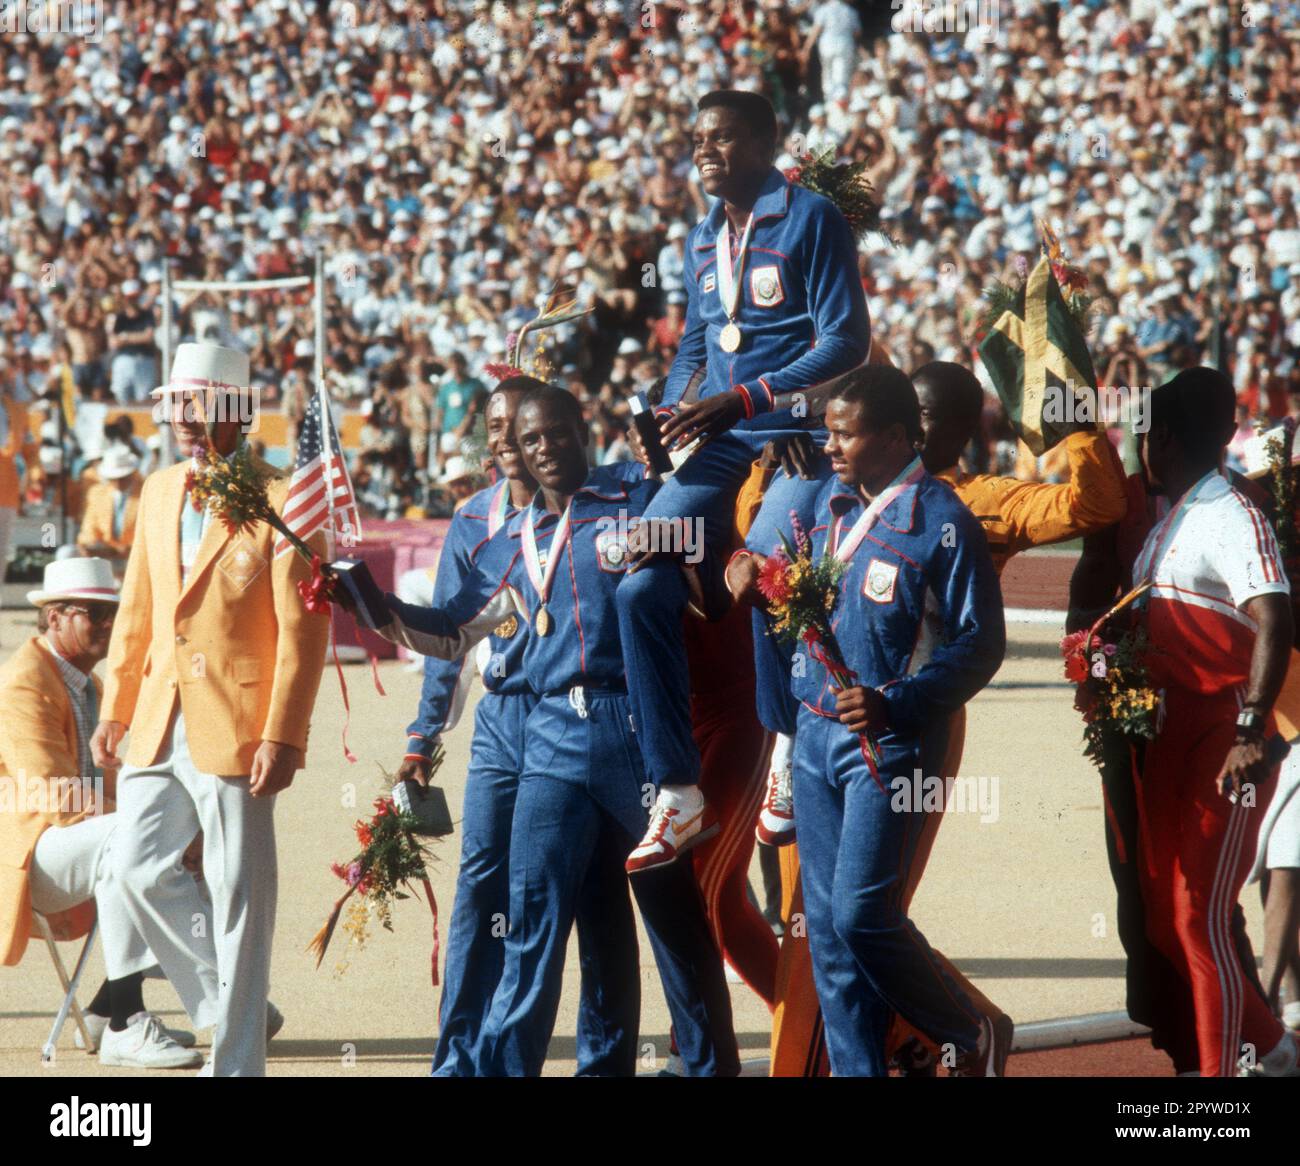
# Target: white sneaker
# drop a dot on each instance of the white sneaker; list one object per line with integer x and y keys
{"x": 776, "y": 818}
{"x": 672, "y": 832}
{"x": 95, "y": 1026}
{"x": 144, "y": 1044}
{"x": 1291, "y": 1015}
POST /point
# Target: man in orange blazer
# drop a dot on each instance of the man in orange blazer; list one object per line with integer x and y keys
{"x": 55, "y": 819}
{"x": 15, "y": 440}
{"x": 214, "y": 667}
{"x": 108, "y": 525}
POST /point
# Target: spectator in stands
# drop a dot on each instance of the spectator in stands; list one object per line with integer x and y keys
{"x": 457, "y": 405}
{"x": 131, "y": 328}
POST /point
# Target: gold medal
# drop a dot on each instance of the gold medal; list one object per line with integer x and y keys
{"x": 506, "y": 628}
{"x": 543, "y": 623}
{"x": 729, "y": 338}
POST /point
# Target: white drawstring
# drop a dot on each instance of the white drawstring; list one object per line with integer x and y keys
{"x": 578, "y": 701}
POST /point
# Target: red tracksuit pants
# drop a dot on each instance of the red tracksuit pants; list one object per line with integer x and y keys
{"x": 1197, "y": 849}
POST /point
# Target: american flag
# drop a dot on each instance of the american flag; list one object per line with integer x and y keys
{"x": 306, "y": 509}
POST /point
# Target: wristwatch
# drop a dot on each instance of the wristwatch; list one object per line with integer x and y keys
{"x": 1250, "y": 722}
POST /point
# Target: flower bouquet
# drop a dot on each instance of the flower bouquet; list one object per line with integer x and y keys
{"x": 1114, "y": 692}
{"x": 236, "y": 492}
{"x": 392, "y": 857}
{"x": 801, "y": 596}
{"x": 846, "y": 185}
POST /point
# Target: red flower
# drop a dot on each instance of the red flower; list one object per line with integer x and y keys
{"x": 1072, "y": 643}
{"x": 363, "y": 834}
{"x": 1073, "y": 648}
{"x": 501, "y": 371}
{"x": 773, "y": 583}
{"x": 794, "y": 173}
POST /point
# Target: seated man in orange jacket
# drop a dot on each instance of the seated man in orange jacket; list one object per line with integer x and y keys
{"x": 55, "y": 823}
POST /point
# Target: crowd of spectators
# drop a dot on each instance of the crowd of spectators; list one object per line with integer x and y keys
{"x": 456, "y": 162}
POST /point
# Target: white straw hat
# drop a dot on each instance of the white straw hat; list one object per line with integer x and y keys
{"x": 199, "y": 366}
{"x": 65, "y": 579}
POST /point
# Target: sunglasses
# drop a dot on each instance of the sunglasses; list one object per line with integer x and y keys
{"x": 100, "y": 614}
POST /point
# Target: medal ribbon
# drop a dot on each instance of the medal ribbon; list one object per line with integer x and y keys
{"x": 498, "y": 508}
{"x": 1163, "y": 534}
{"x": 867, "y": 519}
{"x": 542, "y": 580}
{"x": 728, "y": 272}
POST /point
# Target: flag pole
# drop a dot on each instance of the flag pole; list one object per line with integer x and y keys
{"x": 326, "y": 421}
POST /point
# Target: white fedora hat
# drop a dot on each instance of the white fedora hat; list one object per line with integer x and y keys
{"x": 118, "y": 462}
{"x": 66, "y": 579}
{"x": 202, "y": 366}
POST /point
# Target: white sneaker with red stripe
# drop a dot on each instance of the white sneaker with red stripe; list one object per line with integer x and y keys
{"x": 679, "y": 819}
{"x": 776, "y": 818}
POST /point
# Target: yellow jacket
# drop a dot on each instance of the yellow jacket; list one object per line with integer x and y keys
{"x": 1017, "y": 515}
{"x": 235, "y": 645}
{"x": 38, "y": 762}
{"x": 97, "y": 522}
{"x": 20, "y": 442}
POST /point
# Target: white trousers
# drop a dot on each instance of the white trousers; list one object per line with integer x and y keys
{"x": 73, "y": 864}
{"x": 217, "y": 952}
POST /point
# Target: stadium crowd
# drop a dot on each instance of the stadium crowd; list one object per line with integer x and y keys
{"x": 456, "y": 161}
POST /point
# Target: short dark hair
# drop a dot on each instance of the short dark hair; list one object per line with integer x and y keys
{"x": 885, "y": 394}
{"x": 752, "y": 108}
{"x": 959, "y": 387}
{"x": 520, "y": 383}
{"x": 1199, "y": 408}
{"x": 552, "y": 395}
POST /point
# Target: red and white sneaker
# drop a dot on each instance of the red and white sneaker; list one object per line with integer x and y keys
{"x": 776, "y": 818}
{"x": 671, "y": 833}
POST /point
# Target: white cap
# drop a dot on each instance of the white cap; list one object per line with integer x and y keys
{"x": 118, "y": 462}
{"x": 80, "y": 578}
{"x": 456, "y": 469}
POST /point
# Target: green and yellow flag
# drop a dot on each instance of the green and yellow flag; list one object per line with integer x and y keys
{"x": 1038, "y": 358}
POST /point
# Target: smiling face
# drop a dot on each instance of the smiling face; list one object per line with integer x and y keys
{"x": 554, "y": 445}
{"x": 502, "y": 443}
{"x": 731, "y": 159}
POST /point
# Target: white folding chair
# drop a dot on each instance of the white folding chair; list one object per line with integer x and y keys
{"x": 69, "y": 986}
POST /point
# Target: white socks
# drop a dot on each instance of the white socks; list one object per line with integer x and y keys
{"x": 782, "y": 752}
{"x": 686, "y": 799}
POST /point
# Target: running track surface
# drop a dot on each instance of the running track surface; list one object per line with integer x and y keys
{"x": 1039, "y": 580}
{"x": 1124, "y": 1058}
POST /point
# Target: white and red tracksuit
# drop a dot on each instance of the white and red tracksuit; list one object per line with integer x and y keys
{"x": 1206, "y": 559}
